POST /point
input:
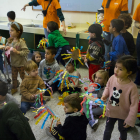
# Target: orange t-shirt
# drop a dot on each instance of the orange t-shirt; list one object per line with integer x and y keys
{"x": 136, "y": 15}
{"x": 51, "y": 12}
{"x": 113, "y": 11}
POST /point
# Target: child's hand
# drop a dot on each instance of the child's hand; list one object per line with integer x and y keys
{"x": 7, "y": 48}
{"x": 126, "y": 125}
{"x": 103, "y": 98}
{"x": 59, "y": 87}
{"x": 32, "y": 97}
{"x": 85, "y": 60}
{"x": 58, "y": 122}
{"x": 14, "y": 50}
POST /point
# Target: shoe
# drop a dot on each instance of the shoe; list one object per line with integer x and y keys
{"x": 13, "y": 91}
{"x": 48, "y": 132}
{"x": 94, "y": 125}
{"x": 46, "y": 98}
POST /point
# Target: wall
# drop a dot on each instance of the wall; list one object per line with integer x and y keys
{"x": 7, "y": 5}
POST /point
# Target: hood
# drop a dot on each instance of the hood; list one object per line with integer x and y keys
{"x": 56, "y": 32}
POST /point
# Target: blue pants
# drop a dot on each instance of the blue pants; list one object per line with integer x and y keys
{"x": 109, "y": 37}
{"x": 62, "y": 51}
{"x": 46, "y": 33}
{"x": 110, "y": 122}
{"x": 26, "y": 106}
{"x": 137, "y": 81}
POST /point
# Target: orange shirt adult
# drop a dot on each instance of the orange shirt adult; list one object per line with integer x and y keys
{"x": 136, "y": 15}
{"x": 115, "y": 8}
{"x": 51, "y": 12}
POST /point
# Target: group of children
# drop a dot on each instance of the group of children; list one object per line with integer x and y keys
{"x": 120, "y": 90}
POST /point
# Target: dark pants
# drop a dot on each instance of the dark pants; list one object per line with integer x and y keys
{"x": 55, "y": 133}
{"x": 63, "y": 51}
{"x": 1, "y": 61}
{"x": 111, "y": 70}
{"x": 54, "y": 88}
{"x": 137, "y": 81}
{"x": 110, "y": 122}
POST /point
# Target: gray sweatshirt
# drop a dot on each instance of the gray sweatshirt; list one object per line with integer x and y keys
{"x": 47, "y": 71}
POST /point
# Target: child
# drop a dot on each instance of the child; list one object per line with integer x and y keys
{"x": 18, "y": 53}
{"x": 74, "y": 85}
{"x": 4, "y": 97}
{"x": 29, "y": 86}
{"x": 11, "y": 16}
{"x": 126, "y": 18}
{"x": 37, "y": 57}
{"x": 95, "y": 50}
{"x": 119, "y": 46}
{"x": 100, "y": 77}
{"x": 75, "y": 125}
{"x": 56, "y": 39}
{"x": 13, "y": 125}
{"x": 123, "y": 97}
{"x": 48, "y": 68}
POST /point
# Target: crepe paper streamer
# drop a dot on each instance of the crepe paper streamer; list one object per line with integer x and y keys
{"x": 81, "y": 48}
{"x": 61, "y": 98}
{"x": 41, "y": 117}
{"x": 66, "y": 54}
{"x": 81, "y": 111}
{"x": 41, "y": 98}
{"x": 90, "y": 109}
{"x": 45, "y": 121}
{"x": 66, "y": 57}
{"x": 80, "y": 61}
{"x": 83, "y": 82}
{"x": 71, "y": 80}
{"x": 67, "y": 84}
{"x": 88, "y": 37}
{"x": 87, "y": 107}
{"x": 51, "y": 124}
{"x": 138, "y": 115}
{"x": 87, "y": 65}
{"x": 39, "y": 113}
{"x": 68, "y": 62}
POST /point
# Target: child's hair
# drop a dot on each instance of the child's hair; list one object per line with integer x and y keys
{"x": 11, "y": 15}
{"x": 34, "y": 54}
{"x": 104, "y": 73}
{"x": 3, "y": 88}
{"x": 127, "y": 19}
{"x": 129, "y": 62}
{"x": 52, "y": 50}
{"x": 118, "y": 24}
{"x": 74, "y": 100}
{"x": 30, "y": 65}
{"x": 52, "y": 26}
{"x": 17, "y": 27}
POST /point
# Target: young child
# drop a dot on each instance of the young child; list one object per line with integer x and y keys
{"x": 18, "y": 53}
{"x": 100, "y": 77}
{"x": 37, "y": 57}
{"x": 95, "y": 50}
{"x": 13, "y": 125}
{"x": 75, "y": 125}
{"x": 127, "y": 19}
{"x": 48, "y": 68}
{"x": 74, "y": 85}
{"x": 56, "y": 39}
{"x": 11, "y": 16}
{"x": 4, "y": 97}
{"x": 119, "y": 46}
{"x": 29, "y": 86}
{"x": 123, "y": 97}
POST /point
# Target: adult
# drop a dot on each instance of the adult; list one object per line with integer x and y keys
{"x": 112, "y": 9}
{"x": 136, "y": 17}
{"x": 51, "y": 11}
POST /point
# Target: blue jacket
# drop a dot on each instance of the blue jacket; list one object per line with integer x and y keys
{"x": 119, "y": 48}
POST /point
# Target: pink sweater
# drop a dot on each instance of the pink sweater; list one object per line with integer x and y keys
{"x": 123, "y": 100}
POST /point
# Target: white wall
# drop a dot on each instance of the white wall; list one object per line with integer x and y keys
{"x": 16, "y": 5}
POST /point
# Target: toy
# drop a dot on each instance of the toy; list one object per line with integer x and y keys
{"x": 61, "y": 98}
{"x": 43, "y": 43}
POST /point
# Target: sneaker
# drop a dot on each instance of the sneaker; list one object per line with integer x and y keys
{"x": 94, "y": 124}
{"x": 48, "y": 132}
{"x": 13, "y": 91}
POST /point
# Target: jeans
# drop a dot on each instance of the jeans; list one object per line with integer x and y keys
{"x": 26, "y": 106}
{"x": 108, "y": 36}
{"x": 46, "y": 33}
{"x": 137, "y": 81}
{"x": 110, "y": 122}
{"x": 63, "y": 51}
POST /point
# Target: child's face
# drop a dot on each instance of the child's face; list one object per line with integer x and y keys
{"x": 69, "y": 109}
{"x": 48, "y": 30}
{"x": 92, "y": 35}
{"x": 33, "y": 73}
{"x": 49, "y": 56}
{"x": 111, "y": 28}
{"x": 14, "y": 33}
{"x": 70, "y": 68}
{"x": 99, "y": 78}
{"x": 37, "y": 57}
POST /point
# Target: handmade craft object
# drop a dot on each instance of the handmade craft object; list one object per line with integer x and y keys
{"x": 107, "y": 65}
{"x": 43, "y": 43}
{"x": 61, "y": 98}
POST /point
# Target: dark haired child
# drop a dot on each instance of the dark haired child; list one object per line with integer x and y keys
{"x": 4, "y": 96}
{"x": 95, "y": 52}
{"x": 13, "y": 125}
{"x": 18, "y": 53}
{"x": 29, "y": 86}
{"x": 56, "y": 39}
{"x": 119, "y": 46}
{"x": 37, "y": 57}
{"x": 74, "y": 85}
{"x": 75, "y": 125}
{"x": 123, "y": 97}
{"x": 127, "y": 19}
{"x": 48, "y": 68}
{"x": 11, "y": 16}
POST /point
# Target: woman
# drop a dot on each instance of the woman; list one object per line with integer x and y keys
{"x": 112, "y": 9}
{"x": 53, "y": 13}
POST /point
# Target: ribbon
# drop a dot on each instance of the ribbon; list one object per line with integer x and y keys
{"x": 41, "y": 98}
{"x": 45, "y": 121}
{"x": 87, "y": 107}
{"x": 39, "y": 113}
{"x": 90, "y": 108}
{"x": 81, "y": 111}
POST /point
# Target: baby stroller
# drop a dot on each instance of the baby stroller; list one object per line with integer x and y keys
{"x": 4, "y": 77}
